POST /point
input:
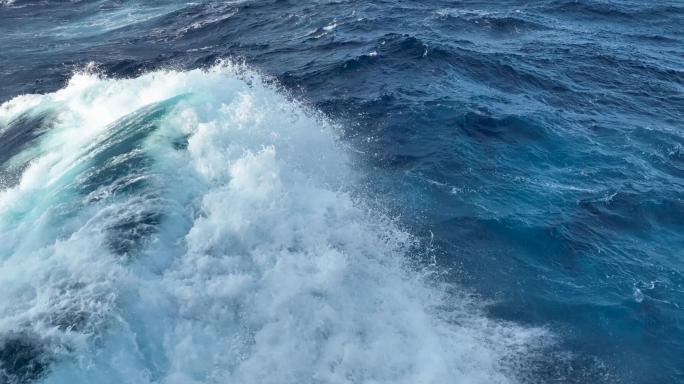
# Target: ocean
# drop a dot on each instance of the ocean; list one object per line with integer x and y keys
{"x": 343, "y": 191}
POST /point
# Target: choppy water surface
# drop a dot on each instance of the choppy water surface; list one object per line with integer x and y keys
{"x": 342, "y": 192}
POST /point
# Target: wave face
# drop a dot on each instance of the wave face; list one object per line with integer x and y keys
{"x": 201, "y": 227}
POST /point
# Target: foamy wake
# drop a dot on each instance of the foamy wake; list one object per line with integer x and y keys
{"x": 199, "y": 227}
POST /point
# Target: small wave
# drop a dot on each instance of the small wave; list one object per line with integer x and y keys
{"x": 614, "y": 11}
{"x": 510, "y": 23}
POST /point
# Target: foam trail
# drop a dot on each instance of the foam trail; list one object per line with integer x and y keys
{"x": 199, "y": 227}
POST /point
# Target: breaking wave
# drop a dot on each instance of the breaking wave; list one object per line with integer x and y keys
{"x": 201, "y": 227}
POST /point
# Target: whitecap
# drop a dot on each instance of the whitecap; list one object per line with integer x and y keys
{"x": 263, "y": 266}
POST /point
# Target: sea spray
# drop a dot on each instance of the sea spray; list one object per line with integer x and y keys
{"x": 200, "y": 227}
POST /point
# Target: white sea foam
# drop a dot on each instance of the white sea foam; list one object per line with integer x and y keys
{"x": 263, "y": 269}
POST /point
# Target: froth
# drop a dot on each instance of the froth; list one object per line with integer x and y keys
{"x": 259, "y": 265}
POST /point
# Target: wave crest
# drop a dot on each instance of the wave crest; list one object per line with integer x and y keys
{"x": 245, "y": 257}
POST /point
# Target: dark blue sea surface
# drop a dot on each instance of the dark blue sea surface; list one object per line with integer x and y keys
{"x": 536, "y": 147}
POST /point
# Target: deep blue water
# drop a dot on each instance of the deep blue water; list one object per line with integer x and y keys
{"x": 537, "y": 147}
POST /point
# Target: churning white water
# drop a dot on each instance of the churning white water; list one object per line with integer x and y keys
{"x": 200, "y": 227}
